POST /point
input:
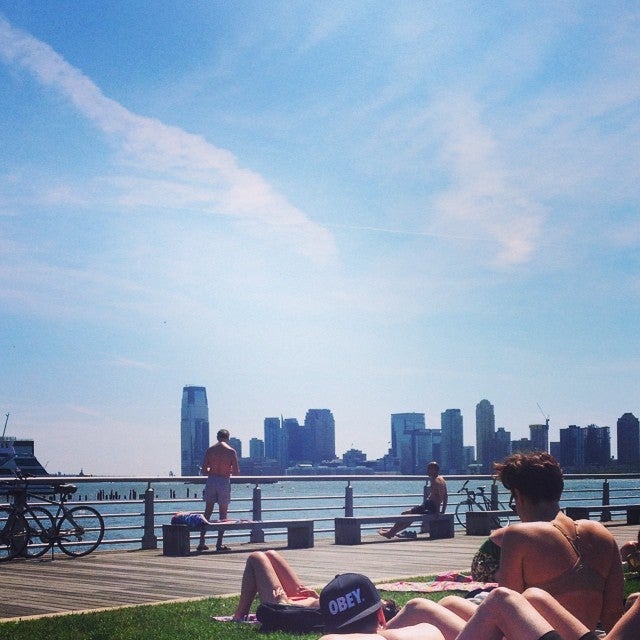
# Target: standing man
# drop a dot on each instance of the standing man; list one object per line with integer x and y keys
{"x": 219, "y": 464}
{"x": 436, "y": 501}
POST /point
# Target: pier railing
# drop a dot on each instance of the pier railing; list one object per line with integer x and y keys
{"x": 135, "y": 508}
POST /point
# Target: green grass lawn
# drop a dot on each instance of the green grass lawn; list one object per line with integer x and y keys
{"x": 174, "y": 621}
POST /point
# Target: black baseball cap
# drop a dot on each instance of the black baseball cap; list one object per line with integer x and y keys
{"x": 349, "y": 597}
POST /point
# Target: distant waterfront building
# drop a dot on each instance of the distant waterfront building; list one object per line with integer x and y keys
{"x": 597, "y": 446}
{"x": 452, "y": 446}
{"x": 407, "y": 433}
{"x": 522, "y": 445}
{"x": 298, "y": 449}
{"x": 194, "y": 429}
{"x": 256, "y": 449}
{"x": 354, "y": 458}
{"x": 572, "y": 443}
{"x": 485, "y": 433}
{"x": 539, "y": 434}
{"x": 628, "y": 432}
{"x": 320, "y": 427}
{"x": 272, "y": 439}
{"x": 236, "y": 443}
{"x": 501, "y": 445}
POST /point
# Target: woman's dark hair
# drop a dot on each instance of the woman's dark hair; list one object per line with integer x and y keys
{"x": 389, "y": 608}
{"x": 537, "y": 475}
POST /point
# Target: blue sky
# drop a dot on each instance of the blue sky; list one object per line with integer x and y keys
{"x": 369, "y": 207}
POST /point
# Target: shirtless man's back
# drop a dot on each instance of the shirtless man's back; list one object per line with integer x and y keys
{"x": 219, "y": 464}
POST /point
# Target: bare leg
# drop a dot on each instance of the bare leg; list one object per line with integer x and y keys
{"x": 627, "y": 627}
{"x": 259, "y": 578}
{"x": 423, "y": 610}
{"x": 208, "y": 510}
{"x": 223, "y": 508}
{"x": 558, "y": 617}
{"x": 506, "y": 613}
{"x": 286, "y": 575}
{"x": 460, "y": 606}
{"x": 396, "y": 528}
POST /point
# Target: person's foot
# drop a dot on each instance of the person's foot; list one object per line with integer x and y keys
{"x": 408, "y": 534}
{"x": 202, "y": 547}
{"x": 222, "y": 547}
{"x": 385, "y": 533}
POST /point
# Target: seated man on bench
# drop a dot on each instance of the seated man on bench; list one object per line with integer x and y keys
{"x": 436, "y": 501}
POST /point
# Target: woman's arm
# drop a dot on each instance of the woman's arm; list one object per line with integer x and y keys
{"x": 613, "y": 597}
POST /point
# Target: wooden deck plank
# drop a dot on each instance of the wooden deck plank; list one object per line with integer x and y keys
{"x": 119, "y": 578}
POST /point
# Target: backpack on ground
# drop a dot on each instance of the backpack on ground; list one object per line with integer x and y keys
{"x": 289, "y": 617}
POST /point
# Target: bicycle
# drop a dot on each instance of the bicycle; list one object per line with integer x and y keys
{"x": 29, "y": 531}
{"x": 471, "y": 503}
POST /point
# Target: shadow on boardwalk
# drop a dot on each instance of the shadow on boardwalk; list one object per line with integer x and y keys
{"x": 113, "y": 578}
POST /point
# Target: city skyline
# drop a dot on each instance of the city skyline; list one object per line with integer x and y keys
{"x": 372, "y": 207}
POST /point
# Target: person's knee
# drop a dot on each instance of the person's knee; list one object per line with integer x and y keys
{"x": 536, "y": 596}
{"x": 420, "y": 606}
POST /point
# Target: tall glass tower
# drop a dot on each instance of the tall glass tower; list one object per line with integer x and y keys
{"x": 485, "y": 434}
{"x": 452, "y": 458}
{"x": 194, "y": 429}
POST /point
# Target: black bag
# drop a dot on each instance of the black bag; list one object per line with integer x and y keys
{"x": 289, "y": 617}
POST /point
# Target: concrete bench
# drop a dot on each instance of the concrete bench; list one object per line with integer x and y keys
{"x": 481, "y": 523}
{"x": 439, "y": 525}
{"x": 176, "y": 537}
{"x": 583, "y": 512}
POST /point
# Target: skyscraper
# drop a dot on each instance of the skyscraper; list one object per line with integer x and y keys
{"x": 320, "y": 427}
{"x": 408, "y": 441}
{"x": 272, "y": 439}
{"x": 485, "y": 433}
{"x": 628, "y": 431}
{"x": 452, "y": 458}
{"x": 194, "y": 429}
{"x": 539, "y": 437}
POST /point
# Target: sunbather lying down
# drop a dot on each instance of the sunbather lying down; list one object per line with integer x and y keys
{"x": 534, "y": 615}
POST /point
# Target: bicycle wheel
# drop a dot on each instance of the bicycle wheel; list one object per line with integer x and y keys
{"x": 13, "y": 534}
{"x": 41, "y": 528}
{"x": 461, "y": 512}
{"x": 80, "y": 531}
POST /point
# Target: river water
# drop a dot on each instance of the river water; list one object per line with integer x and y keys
{"x": 321, "y": 500}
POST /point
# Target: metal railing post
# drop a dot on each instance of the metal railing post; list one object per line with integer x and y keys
{"x": 149, "y": 538}
{"x": 606, "y": 514}
{"x": 494, "y": 495}
{"x": 348, "y": 500}
{"x": 257, "y": 534}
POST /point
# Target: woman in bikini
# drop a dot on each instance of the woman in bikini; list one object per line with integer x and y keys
{"x": 269, "y": 576}
{"x": 576, "y": 562}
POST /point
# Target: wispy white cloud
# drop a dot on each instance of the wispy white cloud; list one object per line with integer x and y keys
{"x": 128, "y": 363}
{"x": 482, "y": 197}
{"x": 191, "y": 170}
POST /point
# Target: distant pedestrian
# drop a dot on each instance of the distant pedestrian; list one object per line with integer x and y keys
{"x": 436, "y": 501}
{"x": 219, "y": 464}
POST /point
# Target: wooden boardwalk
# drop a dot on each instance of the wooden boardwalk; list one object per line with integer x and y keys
{"x": 119, "y": 578}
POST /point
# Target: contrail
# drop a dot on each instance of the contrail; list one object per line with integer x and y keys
{"x": 400, "y": 232}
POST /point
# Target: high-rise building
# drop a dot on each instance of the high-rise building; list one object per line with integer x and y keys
{"x": 236, "y": 443}
{"x": 572, "y": 443}
{"x": 597, "y": 446}
{"x": 501, "y": 444}
{"x": 628, "y": 431}
{"x": 298, "y": 448}
{"x": 272, "y": 439}
{"x": 256, "y": 449}
{"x": 452, "y": 447}
{"x": 320, "y": 427}
{"x": 194, "y": 429}
{"x": 539, "y": 434}
{"x": 410, "y": 442}
{"x": 485, "y": 434}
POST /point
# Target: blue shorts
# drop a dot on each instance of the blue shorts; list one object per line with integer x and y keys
{"x": 217, "y": 489}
